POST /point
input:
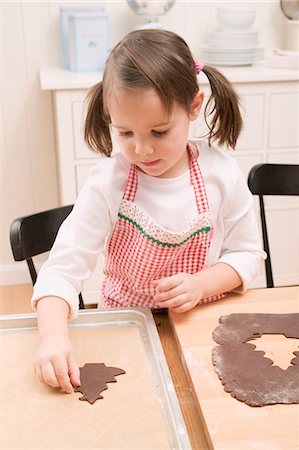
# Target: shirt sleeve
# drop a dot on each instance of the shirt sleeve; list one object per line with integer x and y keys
{"x": 79, "y": 241}
{"x": 242, "y": 247}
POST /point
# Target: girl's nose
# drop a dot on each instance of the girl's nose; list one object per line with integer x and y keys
{"x": 143, "y": 148}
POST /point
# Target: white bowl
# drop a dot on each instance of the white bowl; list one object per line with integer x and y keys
{"x": 230, "y": 19}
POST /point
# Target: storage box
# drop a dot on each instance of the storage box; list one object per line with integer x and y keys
{"x": 88, "y": 42}
{"x": 65, "y": 12}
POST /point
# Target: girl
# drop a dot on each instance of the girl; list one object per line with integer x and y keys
{"x": 174, "y": 217}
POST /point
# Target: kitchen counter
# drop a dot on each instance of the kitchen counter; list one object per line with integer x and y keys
{"x": 56, "y": 78}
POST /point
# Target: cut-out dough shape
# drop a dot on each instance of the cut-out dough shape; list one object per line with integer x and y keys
{"x": 94, "y": 377}
{"x": 246, "y": 374}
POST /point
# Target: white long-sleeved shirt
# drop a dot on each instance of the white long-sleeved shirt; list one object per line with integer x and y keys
{"x": 170, "y": 202}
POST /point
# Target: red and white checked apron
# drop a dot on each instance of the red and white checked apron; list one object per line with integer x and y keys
{"x": 139, "y": 250}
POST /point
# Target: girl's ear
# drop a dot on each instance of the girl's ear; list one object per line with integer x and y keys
{"x": 196, "y": 105}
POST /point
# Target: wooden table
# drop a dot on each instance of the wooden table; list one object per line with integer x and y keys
{"x": 226, "y": 423}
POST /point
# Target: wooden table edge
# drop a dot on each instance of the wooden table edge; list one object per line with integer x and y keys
{"x": 190, "y": 407}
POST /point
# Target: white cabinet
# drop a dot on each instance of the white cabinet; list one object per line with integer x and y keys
{"x": 270, "y": 106}
{"x": 74, "y": 157}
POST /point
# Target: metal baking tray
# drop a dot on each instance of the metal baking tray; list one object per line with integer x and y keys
{"x": 142, "y": 319}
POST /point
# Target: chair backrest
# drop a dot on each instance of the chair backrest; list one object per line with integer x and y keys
{"x": 272, "y": 179}
{"x": 35, "y": 234}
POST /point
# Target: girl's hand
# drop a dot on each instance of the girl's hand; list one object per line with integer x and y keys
{"x": 54, "y": 363}
{"x": 183, "y": 291}
{"x": 179, "y": 292}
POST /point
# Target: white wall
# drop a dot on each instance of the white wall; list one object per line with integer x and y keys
{"x": 30, "y": 39}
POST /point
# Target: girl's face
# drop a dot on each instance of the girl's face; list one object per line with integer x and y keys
{"x": 147, "y": 136}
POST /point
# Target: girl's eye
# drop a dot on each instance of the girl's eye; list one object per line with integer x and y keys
{"x": 159, "y": 133}
{"x": 125, "y": 133}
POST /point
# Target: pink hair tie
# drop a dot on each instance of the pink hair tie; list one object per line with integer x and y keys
{"x": 198, "y": 66}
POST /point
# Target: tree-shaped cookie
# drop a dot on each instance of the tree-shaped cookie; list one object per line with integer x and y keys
{"x": 94, "y": 377}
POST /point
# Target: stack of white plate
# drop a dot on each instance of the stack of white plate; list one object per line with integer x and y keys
{"x": 232, "y": 49}
{"x": 233, "y": 44}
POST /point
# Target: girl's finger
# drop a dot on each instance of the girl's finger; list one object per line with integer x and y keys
{"x": 74, "y": 371}
{"x": 62, "y": 375}
{"x": 165, "y": 284}
{"x": 48, "y": 375}
{"x": 174, "y": 302}
{"x": 38, "y": 373}
{"x": 167, "y": 295}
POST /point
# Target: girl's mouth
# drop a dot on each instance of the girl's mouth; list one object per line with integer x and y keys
{"x": 150, "y": 163}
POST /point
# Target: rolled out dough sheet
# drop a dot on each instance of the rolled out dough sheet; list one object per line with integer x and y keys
{"x": 247, "y": 374}
{"x": 37, "y": 416}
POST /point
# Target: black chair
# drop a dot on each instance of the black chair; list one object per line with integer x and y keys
{"x": 272, "y": 179}
{"x": 35, "y": 234}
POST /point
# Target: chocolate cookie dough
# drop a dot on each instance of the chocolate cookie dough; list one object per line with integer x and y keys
{"x": 94, "y": 377}
{"x": 247, "y": 374}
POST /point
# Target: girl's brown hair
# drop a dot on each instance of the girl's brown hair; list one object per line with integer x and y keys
{"x": 161, "y": 60}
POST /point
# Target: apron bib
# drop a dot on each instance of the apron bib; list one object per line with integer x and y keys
{"x": 139, "y": 250}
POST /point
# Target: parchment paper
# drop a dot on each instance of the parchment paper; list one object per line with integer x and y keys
{"x": 37, "y": 416}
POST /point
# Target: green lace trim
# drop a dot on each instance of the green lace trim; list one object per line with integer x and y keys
{"x": 164, "y": 244}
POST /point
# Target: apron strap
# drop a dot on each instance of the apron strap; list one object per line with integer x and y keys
{"x": 197, "y": 180}
{"x": 131, "y": 186}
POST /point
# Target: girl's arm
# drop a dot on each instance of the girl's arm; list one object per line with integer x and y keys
{"x": 183, "y": 291}
{"x": 80, "y": 239}
{"x": 54, "y": 362}
{"x": 72, "y": 259}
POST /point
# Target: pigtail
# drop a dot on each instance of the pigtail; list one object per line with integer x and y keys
{"x": 96, "y": 132}
{"x": 226, "y": 123}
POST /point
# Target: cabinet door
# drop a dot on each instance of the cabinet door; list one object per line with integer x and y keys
{"x": 283, "y": 120}
{"x": 253, "y": 113}
{"x": 71, "y": 149}
{"x": 81, "y": 149}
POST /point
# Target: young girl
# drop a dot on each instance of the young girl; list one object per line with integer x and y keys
{"x": 173, "y": 217}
